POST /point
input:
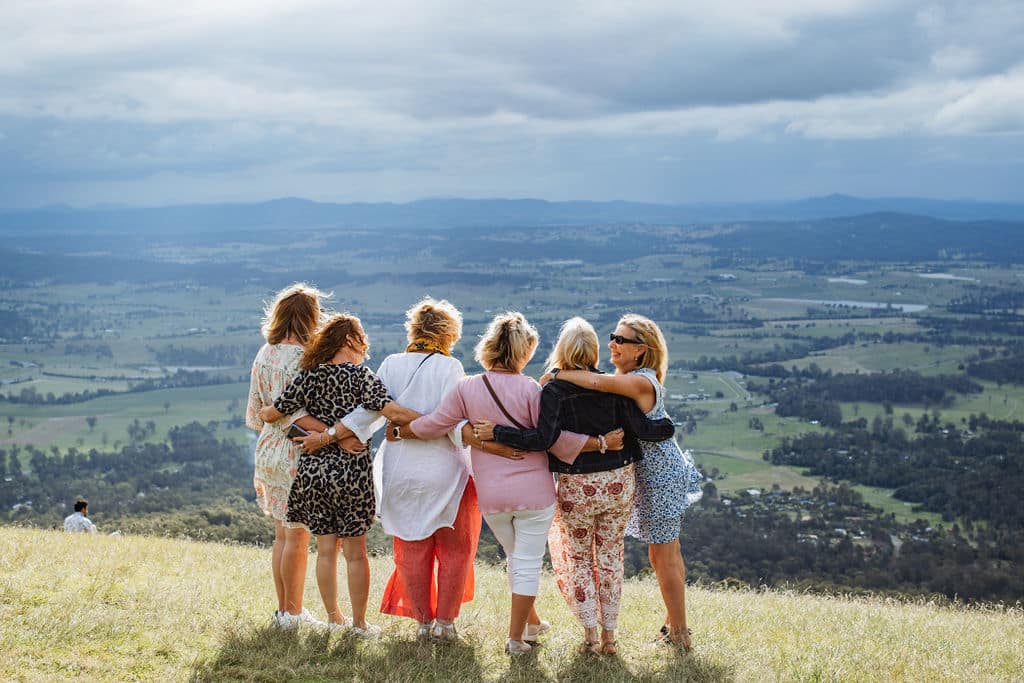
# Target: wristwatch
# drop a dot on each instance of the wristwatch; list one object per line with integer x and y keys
{"x": 396, "y": 432}
{"x": 333, "y": 433}
{"x": 554, "y": 372}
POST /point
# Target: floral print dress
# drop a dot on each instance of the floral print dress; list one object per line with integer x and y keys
{"x": 273, "y": 369}
{"x": 667, "y": 481}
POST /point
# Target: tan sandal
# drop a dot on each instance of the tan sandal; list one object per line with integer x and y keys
{"x": 610, "y": 647}
{"x": 591, "y": 647}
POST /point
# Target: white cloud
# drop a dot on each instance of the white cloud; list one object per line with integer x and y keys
{"x": 108, "y": 87}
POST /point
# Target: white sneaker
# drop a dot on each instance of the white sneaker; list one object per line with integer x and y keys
{"x": 303, "y": 618}
{"x": 371, "y": 632}
{"x": 531, "y": 631}
{"x": 517, "y": 648}
{"x": 339, "y": 626}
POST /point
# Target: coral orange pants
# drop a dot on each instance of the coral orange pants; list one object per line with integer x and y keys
{"x": 414, "y": 589}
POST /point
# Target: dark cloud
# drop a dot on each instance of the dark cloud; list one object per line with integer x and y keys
{"x": 561, "y": 100}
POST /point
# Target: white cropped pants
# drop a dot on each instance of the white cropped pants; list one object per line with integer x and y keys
{"x": 523, "y": 535}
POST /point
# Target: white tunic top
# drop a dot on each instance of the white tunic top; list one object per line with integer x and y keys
{"x": 419, "y": 483}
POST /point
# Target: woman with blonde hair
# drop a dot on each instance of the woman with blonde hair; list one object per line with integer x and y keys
{"x": 427, "y": 501}
{"x": 288, "y": 323}
{"x": 667, "y": 481}
{"x": 595, "y": 490}
{"x": 332, "y": 494}
{"x": 516, "y": 494}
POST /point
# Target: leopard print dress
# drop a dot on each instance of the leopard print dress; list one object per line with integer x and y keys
{"x": 333, "y": 488}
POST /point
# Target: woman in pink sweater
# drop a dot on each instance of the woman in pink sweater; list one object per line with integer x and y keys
{"x": 516, "y": 494}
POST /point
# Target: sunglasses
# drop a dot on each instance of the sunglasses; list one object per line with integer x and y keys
{"x": 619, "y": 339}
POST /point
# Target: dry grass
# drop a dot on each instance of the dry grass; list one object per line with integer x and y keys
{"x": 133, "y": 608}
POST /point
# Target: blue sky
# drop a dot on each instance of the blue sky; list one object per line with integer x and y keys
{"x": 150, "y": 103}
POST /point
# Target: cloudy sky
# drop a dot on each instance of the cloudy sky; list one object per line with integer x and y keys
{"x": 154, "y": 102}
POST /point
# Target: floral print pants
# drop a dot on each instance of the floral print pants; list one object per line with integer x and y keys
{"x": 587, "y": 542}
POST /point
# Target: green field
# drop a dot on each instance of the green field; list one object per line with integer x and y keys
{"x": 65, "y": 426}
{"x": 114, "y": 331}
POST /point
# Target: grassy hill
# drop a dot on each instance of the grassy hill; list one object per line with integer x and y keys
{"x": 135, "y": 608}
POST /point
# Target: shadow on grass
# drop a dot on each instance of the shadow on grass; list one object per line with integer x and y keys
{"x": 681, "y": 667}
{"x": 270, "y": 654}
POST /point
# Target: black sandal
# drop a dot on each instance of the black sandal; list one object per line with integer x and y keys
{"x": 665, "y": 638}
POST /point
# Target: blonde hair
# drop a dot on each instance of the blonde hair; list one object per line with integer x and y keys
{"x": 438, "y": 321}
{"x": 655, "y": 356}
{"x": 576, "y": 348}
{"x": 340, "y": 330}
{"x": 509, "y": 341}
{"x": 294, "y": 311}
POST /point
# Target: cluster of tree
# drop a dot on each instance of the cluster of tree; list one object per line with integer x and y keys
{"x": 197, "y": 486}
{"x": 97, "y": 349}
{"x": 998, "y": 301}
{"x": 829, "y": 540}
{"x": 897, "y": 386}
{"x": 818, "y": 398}
{"x": 1008, "y": 368}
{"x": 755, "y": 362}
{"x": 192, "y": 467}
{"x": 944, "y": 327}
{"x": 211, "y": 356}
{"x": 181, "y": 378}
{"x": 874, "y": 237}
{"x": 16, "y": 326}
{"x": 960, "y": 474}
{"x": 807, "y": 406}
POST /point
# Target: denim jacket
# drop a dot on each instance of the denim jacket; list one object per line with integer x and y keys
{"x": 566, "y": 406}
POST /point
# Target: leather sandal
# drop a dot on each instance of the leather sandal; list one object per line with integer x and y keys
{"x": 665, "y": 638}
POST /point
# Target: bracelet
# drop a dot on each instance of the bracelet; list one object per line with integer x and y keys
{"x": 602, "y": 445}
{"x": 321, "y": 438}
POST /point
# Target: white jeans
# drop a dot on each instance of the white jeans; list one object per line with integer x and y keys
{"x": 523, "y": 535}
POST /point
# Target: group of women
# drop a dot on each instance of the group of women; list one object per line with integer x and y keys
{"x": 573, "y": 466}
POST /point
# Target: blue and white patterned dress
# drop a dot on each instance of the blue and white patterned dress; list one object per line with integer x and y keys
{"x": 667, "y": 481}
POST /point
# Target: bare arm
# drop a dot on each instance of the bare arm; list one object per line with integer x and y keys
{"x": 629, "y": 385}
{"x": 311, "y": 424}
{"x": 613, "y": 439}
{"x": 400, "y": 415}
{"x": 492, "y": 447}
{"x": 270, "y": 414}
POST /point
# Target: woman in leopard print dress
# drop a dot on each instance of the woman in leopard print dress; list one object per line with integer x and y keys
{"x": 332, "y": 494}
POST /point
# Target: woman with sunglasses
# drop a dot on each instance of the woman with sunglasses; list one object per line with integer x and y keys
{"x": 667, "y": 481}
{"x": 595, "y": 490}
{"x": 516, "y": 493}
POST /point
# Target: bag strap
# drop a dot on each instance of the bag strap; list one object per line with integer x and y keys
{"x": 501, "y": 407}
{"x": 408, "y": 382}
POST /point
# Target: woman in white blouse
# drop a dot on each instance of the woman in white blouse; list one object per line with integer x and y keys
{"x": 427, "y": 500}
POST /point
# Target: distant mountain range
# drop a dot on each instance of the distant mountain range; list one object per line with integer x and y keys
{"x": 467, "y": 213}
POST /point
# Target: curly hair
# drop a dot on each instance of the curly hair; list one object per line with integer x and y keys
{"x": 294, "y": 311}
{"x": 438, "y": 321}
{"x": 339, "y": 331}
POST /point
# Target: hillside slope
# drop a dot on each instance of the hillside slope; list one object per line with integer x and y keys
{"x": 136, "y": 608}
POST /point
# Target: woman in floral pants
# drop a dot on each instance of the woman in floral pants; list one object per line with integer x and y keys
{"x": 595, "y": 490}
